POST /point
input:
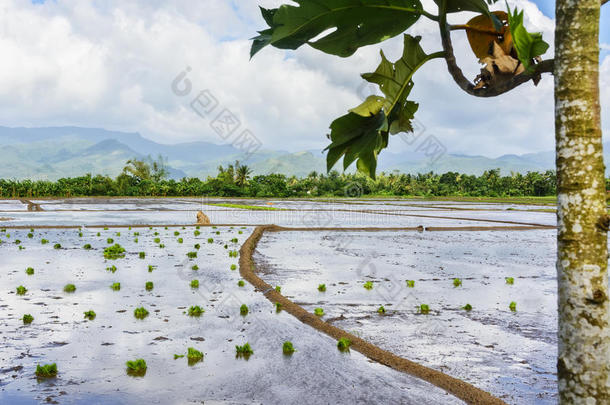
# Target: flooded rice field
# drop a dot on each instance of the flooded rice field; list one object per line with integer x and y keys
{"x": 467, "y": 262}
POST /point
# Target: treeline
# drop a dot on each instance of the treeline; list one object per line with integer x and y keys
{"x": 149, "y": 179}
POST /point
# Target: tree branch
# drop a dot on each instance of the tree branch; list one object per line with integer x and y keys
{"x": 604, "y": 2}
{"x": 465, "y": 84}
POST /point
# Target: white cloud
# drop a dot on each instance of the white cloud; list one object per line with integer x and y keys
{"x": 110, "y": 64}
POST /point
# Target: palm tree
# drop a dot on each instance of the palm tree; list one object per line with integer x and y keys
{"x": 242, "y": 174}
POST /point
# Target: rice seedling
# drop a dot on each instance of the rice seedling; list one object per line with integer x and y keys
{"x": 322, "y": 287}
{"x": 136, "y": 367}
{"x": 114, "y": 252}
{"x": 142, "y": 255}
{"x": 424, "y": 309}
{"x": 195, "y": 311}
{"x": 368, "y": 285}
{"x": 151, "y": 268}
{"x": 140, "y": 313}
{"x": 381, "y": 310}
{"x": 27, "y": 319}
{"x": 513, "y": 306}
{"x": 243, "y": 310}
{"x": 318, "y": 311}
{"x": 214, "y": 227}
{"x": 111, "y": 269}
{"x": 29, "y": 271}
{"x": 240, "y": 232}
{"x": 106, "y": 228}
{"x": 288, "y": 348}
{"x": 210, "y": 240}
{"x": 217, "y": 232}
{"x": 69, "y": 288}
{"x": 21, "y": 290}
{"x": 57, "y": 246}
{"x": 98, "y": 234}
{"x": 30, "y": 235}
{"x": 233, "y": 253}
{"x": 226, "y": 246}
{"x": 17, "y": 242}
{"x": 278, "y": 289}
{"x": 178, "y": 356}
{"x": 149, "y": 286}
{"x": 135, "y": 240}
{"x": 233, "y": 267}
{"x": 46, "y": 370}
{"x": 343, "y": 344}
{"x": 118, "y": 234}
{"x": 80, "y": 234}
{"x": 467, "y": 307}
{"x": 197, "y": 233}
{"x": 244, "y": 351}
{"x": 110, "y": 241}
{"x": 180, "y": 240}
{"x": 193, "y": 356}
{"x": 87, "y": 246}
{"x": 194, "y": 267}
{"x": 510, "y": 280}
{"x": 90, "y": 315}
{"x": 115, "y": 286}
{"x": 194, "y": 283}
{"x": 197, "y": 246}
{"x": 191, "y": 255}
{"x": 411, "y": 283}
{"x": 162, "y": 246}
{"x": 278, "y": 307}
{"x": 241, "y": 283}
{"x": 44, "y": 241}
{"x": 457, "y": 282}
{"x": 176, "y": 233}
{"x": 234, "y": 240}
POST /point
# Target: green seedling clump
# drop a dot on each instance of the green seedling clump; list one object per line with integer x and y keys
{"x": 157, "y": 240}
{"x": 197, "y": 246}
{"x": 27, "y": 319}
{"x": 411, "y": 283}
{"x": 343, "y": 344}
{"x": 510, "y": 280}
{"x": 322, "y": 287}
{"x": 17, "y": 242}
{"x": 69, "y": 288}
{"x": 110, "y": 241}
{"x": 114, "y": 252}
{"x": 87, "y": 246}
{"x": 136, "y": 367}
{"x": 176, "y": 233}
{"x": 30, "y": 235}
{"x": 140, "y": 313}
{"x": 233, "y": 267}
{"x": 424, "y": 309}
{"x": 210, "y": 240}
{"x": 243, "y": 309}
{"x": 115, "y": 286}
{"x": 513, "y": 306}
{"x": 180, "y": 240}
{"x": 457, "y": 282}
{"x": 288, "y": 348}
{"x": 244, "y": 351}
{"x": 318, "y": 311}
{"x": 467, "y": 307}
{"x": 234, "y": 240}
{"x": 150, "y": 268}
{"x": 278, "y": 289}
{"x": 149, "y": 286}
{"x": 195, "y": 311}
{"x": 194, "y": 267}
{"x": 57, "y": 246}
{"x": 191, "y": 255}
{"x": 99, "y": 234}
{"x": 142, "y": 255}
{"x": 241, "y": 283}
{"x": 381, "y": 310}
{"x": 194, "y": 283}
{"x": 197, "y": 233}
{"x": 233, "y": 253}
{"x": 46, "y": 371}
{"x": 44, "y": 241}
{"x": 368, "y": 285}
{"x": 90, "y": 315}
{"x": 194, "y": 356}
{"x": 29, "y": 271}
{"x": 21, "y": 290}
{"x": 278, "y": 307}
{"x": 111, "y": 268}
{"x": 178, "y": 356}
{"x": 162, "y": 246}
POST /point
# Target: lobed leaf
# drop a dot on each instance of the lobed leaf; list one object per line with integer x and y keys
{"x": 528, "y": 45}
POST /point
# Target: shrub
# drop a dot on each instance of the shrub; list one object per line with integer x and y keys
{"x": 381, "y": 310}
{"x": 467, "y": 307}
{"x": 244, "y": 351}
{"x": 149, "y": 286}
{"x": 424, "y": 309}
{"x": 87, "y": 246}
{"x": 195, "y": 311}
{"x": 368, "y": 285}
{"x": 136, "y": 367}
{"x": 29, "y": 271}
{"x": 115, "y": 286}
{"x": 318, "y": 311}
{"x": 243, "y": 309}
{"x": 21, "y": 290}
{"x": 288, "y": 348}
{"x": 510, "y": 280}
{"x": 513, "y": 306}
{"x": 194, "y": 283}
{"x": 411, "y": 283}
{"x": 233, "y": 267}
{"x": 69, "y": 288}
{"x": 343, "y": 344}
{"x": 322, "y": 287}
{"x": 46, "y": 371}
{"x": 191, "y": 255}
{"x": 27, "y": 319}
{"x": 457, "y": 282}
{"x": 90, "y": 315}
{"x": 140, "y": 313}
{"x": 142, "y": 255}
{"x": 114, "y": 252}
{"x": 241, "y": 283}
{"x": 194, "y": 356}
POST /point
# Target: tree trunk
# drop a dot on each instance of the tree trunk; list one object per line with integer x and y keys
{"x": 582, "y": 255}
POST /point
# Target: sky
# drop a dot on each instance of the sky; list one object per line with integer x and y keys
{"x": 111, "y": 64}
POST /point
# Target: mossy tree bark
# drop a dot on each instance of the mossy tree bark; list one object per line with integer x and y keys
{"x": 582, "y": 256}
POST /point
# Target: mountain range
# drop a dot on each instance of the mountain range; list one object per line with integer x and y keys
{"x": 55, "y": 152}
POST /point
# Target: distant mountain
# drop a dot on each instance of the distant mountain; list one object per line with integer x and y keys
{"x": 52, "y": 153}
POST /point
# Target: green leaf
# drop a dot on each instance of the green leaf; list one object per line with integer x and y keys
{"x": 477, "y": 6}
{"x": 528, "y": 45}
{"x": 371, "y": 106}
{"x": 356, "y": 23}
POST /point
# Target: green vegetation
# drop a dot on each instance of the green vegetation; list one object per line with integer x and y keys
{"x": 278, "y": 307}
{"x": 510, "y": 280}
{"x": 368, "y": 285}
{"x": 57, "y": 246}
{"x": 21, "y": 290}
{"x": 87, "y": 246}
{"x": 44, "y": 241}
{"x": 322, "y": 287}
{"x": 115, "y": 286}
{"x": 194, "y": 356}
{"x": 343, "y": 344}
{"x": 513, "y": 306}
{"x": 210, "y": 240}
{"x": 457, "y": 282}
{"x": 194, "y": 267}
{"x": 196, "y": 233}
{"x": 233, "y": 267}
{"x": 110, "y": 241}
{"x": 142, "y": 255}
{"x": 318, "y": 311}
{"x": 241, "y": 283}
{"x": 424, "y": 309}
{"x": 136, "y": 367}
{"x": 191, "y": 255}
{"x": 29, "y": 271}
{"x": 411, "y": 283}
{"x": 90, "y": 315}
{"x": 195, "y": 311}
{"x": 278, "y": 289}
{"x": 243, "y": 310}
{"x": 157, "y": 240}
{"x": 30, "y": 235}
{"x": 288, "y": 348}
{"x": 69, "y": 288}
{"x": 381, "y": 310}
{"x": 244, "y": 351}
{"x": 197, "y": 246}
{"x": 27, "y": 319}
{"x": 233, "y": 253}
{"x": 176, "y": 233}
{"x": 151, "y": 268}
{"x": 467, "y": 307}
{"x": 194, "y": 283}
{"x": 46, "y": 370}
{"x": 140, "y": 313}
{"x": 114, "y": 252}
{"x": 149, "y": 286}
{"x": 180, "y": 240}
{"x": 111, "y": 269}
{"x": 245, "y": 207}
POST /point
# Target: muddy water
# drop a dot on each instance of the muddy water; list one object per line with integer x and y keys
{"x": 510, "y": 354}
{"x": 91, "y": 355}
